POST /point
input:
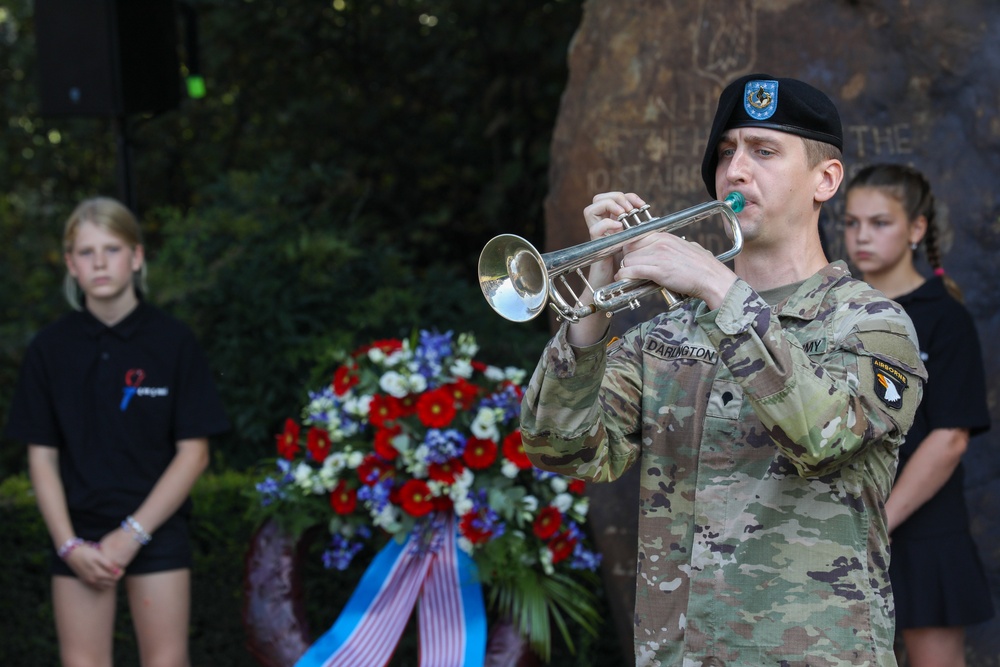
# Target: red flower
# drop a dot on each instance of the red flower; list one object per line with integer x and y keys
{"x": 373, "y": 470}
{"x": 387, "y": 345}
{"x": 478, "y": 366}
{"x": 479, "y": 454}
{"x": 343, "y": 500}
{"x": 318, "y": 443}
{"x": 513, "y": 449}
{"x": 344, "y": 378}
{"x": 443, "y": 504}
{"x": 463, "y": 393}
{"x": 577, "y": 486}
{"x": 561, "y": 546}
{"x": 547, "y": 523}
{"x": 383, "y": 442}
{"x": 408, "y": 405}
{"x": 436, "y": 408}
{"x": 415, "y": 498}
{"x": 383, "y": 409}
{"x": 445, "y": 472}
{"x": 470, "y": 531}
{"x": 288, "y": 440}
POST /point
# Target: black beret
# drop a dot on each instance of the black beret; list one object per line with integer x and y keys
{"x": 761, "y": 100}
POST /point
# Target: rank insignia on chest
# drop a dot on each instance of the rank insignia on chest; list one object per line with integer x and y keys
{"x": 890, "y": 383}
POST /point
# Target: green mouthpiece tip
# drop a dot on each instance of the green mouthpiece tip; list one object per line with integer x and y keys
{"x": 735, "y": 201}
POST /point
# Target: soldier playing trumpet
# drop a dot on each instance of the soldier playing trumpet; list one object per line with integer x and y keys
{"x": 765, "y": 413}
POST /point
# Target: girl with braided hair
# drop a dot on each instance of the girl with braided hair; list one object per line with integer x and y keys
{"x": 937, "y": 578}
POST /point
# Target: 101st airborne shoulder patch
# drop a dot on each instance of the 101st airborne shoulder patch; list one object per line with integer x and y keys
{"x": 890, "y": 383}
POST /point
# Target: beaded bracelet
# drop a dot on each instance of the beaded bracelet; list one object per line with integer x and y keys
{"x": 70, "y": 545}
{"x": 135, "y": 529}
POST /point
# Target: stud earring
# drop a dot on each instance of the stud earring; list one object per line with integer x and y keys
{"x": 913, "y": 246}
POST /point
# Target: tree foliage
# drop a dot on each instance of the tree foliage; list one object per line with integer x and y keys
{"x": 350, "y": 160}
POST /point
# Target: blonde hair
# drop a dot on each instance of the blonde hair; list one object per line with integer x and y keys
{"x": 113, "y": 217}
{"x": 818, "y": 151}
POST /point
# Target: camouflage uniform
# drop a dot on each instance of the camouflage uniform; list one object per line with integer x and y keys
{"x": 768, "y": 441}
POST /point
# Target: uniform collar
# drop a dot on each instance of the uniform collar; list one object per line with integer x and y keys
{"x": 804, "y": 303}
{"x": 124, "y": 329}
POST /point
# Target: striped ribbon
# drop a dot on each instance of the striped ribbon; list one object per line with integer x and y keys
{"x": 451, "y": 614}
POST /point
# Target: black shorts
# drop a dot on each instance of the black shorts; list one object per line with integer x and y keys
{"x": 170, "y": 548}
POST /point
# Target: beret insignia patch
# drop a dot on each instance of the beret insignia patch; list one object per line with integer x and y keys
{"x": 760, "y": 99}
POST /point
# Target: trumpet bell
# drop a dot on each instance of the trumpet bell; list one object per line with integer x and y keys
{"x": 513, "y": 277}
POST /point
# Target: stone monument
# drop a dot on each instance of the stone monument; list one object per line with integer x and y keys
{"x": 916, "y": 81}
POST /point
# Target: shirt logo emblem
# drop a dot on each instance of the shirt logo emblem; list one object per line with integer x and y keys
{"x": 133, "y": 378}
{"x": 760, "y": 99}
{"x": 890, "y": 383}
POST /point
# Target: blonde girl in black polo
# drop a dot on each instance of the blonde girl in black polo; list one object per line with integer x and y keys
{"x": 116, "y": 403}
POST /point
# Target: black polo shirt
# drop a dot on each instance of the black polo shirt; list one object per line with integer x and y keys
{"x": 114, "y": 400}
{"x": 954, "y": 397}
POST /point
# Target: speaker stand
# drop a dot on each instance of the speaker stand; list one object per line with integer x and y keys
{"x": 123, "y": 170}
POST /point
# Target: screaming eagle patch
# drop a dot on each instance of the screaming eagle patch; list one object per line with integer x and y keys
{"x": 890, "y": 383}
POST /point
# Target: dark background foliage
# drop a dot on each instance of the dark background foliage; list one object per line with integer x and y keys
{"x": 335, "y": 185}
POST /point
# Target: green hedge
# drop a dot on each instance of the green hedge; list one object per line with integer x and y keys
{"x": 222, "y": 529}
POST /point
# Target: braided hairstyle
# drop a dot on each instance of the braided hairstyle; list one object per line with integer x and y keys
{"x": 911, "y": 189}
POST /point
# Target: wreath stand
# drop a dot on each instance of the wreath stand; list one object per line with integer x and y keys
{"x": 274, "y": 606}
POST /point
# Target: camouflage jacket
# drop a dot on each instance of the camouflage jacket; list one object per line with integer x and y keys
{"x": 768, "y": 441}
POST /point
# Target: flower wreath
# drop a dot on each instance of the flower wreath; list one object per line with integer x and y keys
{"x": 412, "y": 431}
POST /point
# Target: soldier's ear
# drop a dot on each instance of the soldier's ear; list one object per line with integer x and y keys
{"x": 830, "y": 174}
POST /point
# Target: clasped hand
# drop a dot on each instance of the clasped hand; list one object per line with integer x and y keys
{"x": 102, "y": 565}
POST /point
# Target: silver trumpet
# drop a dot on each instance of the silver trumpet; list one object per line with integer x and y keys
{"x": 518, "y": 281}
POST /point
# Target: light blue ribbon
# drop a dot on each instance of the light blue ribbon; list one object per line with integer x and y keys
{"x": 357, "y": 608}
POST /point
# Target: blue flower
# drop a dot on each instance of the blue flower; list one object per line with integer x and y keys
{"x": 443, "y": 444}
{"x": 432, "y": 351}
{"x": 270, "y": 490}
{"x": 341, "y": 552}
{"x": 507, "y": 400}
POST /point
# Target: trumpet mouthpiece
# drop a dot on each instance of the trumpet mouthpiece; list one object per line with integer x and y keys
{"x": 735, "y": 201}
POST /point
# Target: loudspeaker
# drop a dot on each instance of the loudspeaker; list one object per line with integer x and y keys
{"x": 106, "y": 57}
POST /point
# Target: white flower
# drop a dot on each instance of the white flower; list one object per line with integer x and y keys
{"x": 581, "y": 507}
{"x": 562, "y": 502}
{"x": 545, "y": 557}
{"x": 417, "y": 383}
{"x": 358, "y": 406}
{"x": 377, "y": 355}
{"x": 558, "y": 484}
{"x": 530, "y": 503}
{"x": 400, "y": 356}
{"x": 387, "y": 519}
{"x": 416, "y": 461}
{"x": 484, "y": 426}
{"x": 465, "y": 545}
{"x": 515, "y": 374}
{"x": 461, "y": 368}
{"x": 326, "y": 478}
{"x": 335, "y": 462}
{"x": 463, "y": 505}
{"x": 303, "y": 476}
{"x": 494, "y": 374}
{"x": 354, "y": 459}
{"x": 394, "y": 384}
{"x": 509, "y": 469}
{"x": 466, "y": 345}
